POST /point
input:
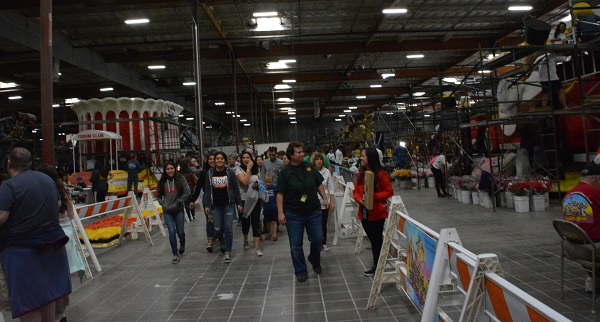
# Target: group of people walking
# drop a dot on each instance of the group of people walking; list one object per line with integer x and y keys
{"x": 297, "y": 193}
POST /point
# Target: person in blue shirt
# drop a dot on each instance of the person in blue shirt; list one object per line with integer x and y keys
{"x": 400, "y": 153}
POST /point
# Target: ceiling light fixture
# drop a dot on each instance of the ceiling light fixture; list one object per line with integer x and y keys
{"x": 485, "y": 71}
{"x": 520, "y": 8}
{"x": 287, "y": 61}
{"x": 285, "y": 108}
{"x": 338, "y": 120}
{"x": 277, "y": 65}
{"x": 15, "y": 97}
{"x": 243, "y": 120}
{"x": 566, "y": 18}
{"x": 418, "y": 93}
{"x": 180, "y": 115}
{"x": 282, "y": 86}
{"x": 384, "y": 76}
{"x": 342, "y": 115}
{"x": 293, "y": 122}
{"x": 265, "y": 14}
{"x": 289, "y": 81}
{"x": 269, "y": 24}
{"x": 106, "y": 89}
{"x": 360, "y": 97}
{"x": 291, "y": 113}
{"x": 55, "y": 105}
{"x": 220, "y": 103}
{"x": 7, "y": 85}
{"x": 390, "y": 11}
{"x": 352, "y": 107}
{"x": 190, "y": 118}
{"x": 189, "y": 83}
{"x": 246, "y": 124}
{"x": 228, "y": 112}
{"x": 415, "y": 56}
{"x": 156, "y": 67}
{"x": 427, "y": 115}
{"x": 72, "y": 100}
{"x": 375, "y": 86}
{"x": 136, "y": 21}
{"x": 347, "y": 111}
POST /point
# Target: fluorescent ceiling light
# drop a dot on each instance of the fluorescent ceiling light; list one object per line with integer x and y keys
{"x": 292, "y": 117}
{"x": 228, "y": 112}
{"x": 55, "y": 105}
{"x": 265, "y": 14}
{"x": 180, "y": 115}
{"x": 246, "y": 124}
{"x": 277, "y": 65}
{"x": 15, "y": 97}
{"x": 282, "y": 86}
{"x": 136, "y": 21}
{"x": 203, "y": 122}
{"x": 427, "y": 115}
{"x": 415, "y": 56}
{"x": 189, "y": 83}
{"x": 72, "y": 100}
{"x": 520, "y": 8}
{"x": 347, "y": 111}
{"x": 293, "y": 122}
{"x": 291, "y": 113}
{"x": 284, "y": 99}
{"x": 394, "y": 10}
{"x": 243, "y": 120}
{"x": 156, "y": 67}
{"x": 190, "y": 118}
{"x": 384, "y": 76}
{"x": 286, "y": 61}
{"x": 389, "y": 113}
{"x": 289, "y": 80}
{"x": 361, "y": 97}
{"x": 401, "y": 108}
{"x": 566, "y": 19}
{"x": 342, "y": 115}
{"x": 418, "y": 93}
{"x": 352, "y": 107}
{"x": 485, "y": 71}
{"x": 375, "y": 86}
{"x": 220, "y": 103}
{"x": 7, "y": 85}
{"x": 268, "y": 24}
{"x": 338, "y": 120}
{"x": 450, "y": 80}
{"x": 106, "y": 89}
{"x": 292, "y": 110}
{"x": 285, "y": 108}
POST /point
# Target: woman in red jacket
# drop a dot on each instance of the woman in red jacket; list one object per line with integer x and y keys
{"x": 373, "y": 220}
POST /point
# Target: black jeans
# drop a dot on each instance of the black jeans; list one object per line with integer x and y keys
{"x": 440, "y": 183}
{"x": 254, "y": 220}
{"x": 374, "y": 230}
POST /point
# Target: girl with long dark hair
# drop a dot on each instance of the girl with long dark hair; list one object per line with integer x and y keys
{"x": 172, "y": 193}
{"x": 247, "y": 174}
{"x": 373, "y": 220}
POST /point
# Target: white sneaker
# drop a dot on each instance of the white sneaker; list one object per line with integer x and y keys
{"x": 259, "y": 253}
{"x": 325, "y": 248}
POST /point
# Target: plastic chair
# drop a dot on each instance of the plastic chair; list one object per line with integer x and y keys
{"x": 575, "y": 239}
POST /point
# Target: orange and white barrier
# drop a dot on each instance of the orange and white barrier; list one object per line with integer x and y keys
{"x": 457, "y": 277}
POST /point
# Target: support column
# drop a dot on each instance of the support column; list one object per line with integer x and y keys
{"x": 46, "y": 81}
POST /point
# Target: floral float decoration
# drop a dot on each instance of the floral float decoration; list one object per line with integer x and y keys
{"x": 402, "y": 174}
{"x": 108, "y": 229}
{"x": 359, "y": 131}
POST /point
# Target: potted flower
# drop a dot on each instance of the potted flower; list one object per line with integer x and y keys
{"x": 540, "y": 188}
{"x": 521, "y": 189}
{"x": 402, "y": 178}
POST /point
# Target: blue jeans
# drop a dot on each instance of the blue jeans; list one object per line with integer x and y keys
{"x": 223, "y": 220}
{"x": 295, "y": 229}
{"x": 175, "y": 226}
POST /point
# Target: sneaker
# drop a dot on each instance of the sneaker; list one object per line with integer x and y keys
{"x": 223, "y": 247}
{"x": 175, "y": 259}
{"x": 325, "y": 248}
{"x": 181, "y": 249}
{"x": 209, "y": 248}
{"x": 301, "y": 278}
{"x": 370, "y": 272}
{"x": 259, "y": 253}
{"x": 317, "y": 269}
{"x": 227, "y": 258}
{"x": 246, "y": 244}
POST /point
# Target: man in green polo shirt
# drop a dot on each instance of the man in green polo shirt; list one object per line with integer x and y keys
{"x": 298, "y": 206}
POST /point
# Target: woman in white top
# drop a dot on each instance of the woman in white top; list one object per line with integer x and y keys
{"x": 247, "y": 174}
{"x": 559, "y": 37}
{"x": 317, "y": 160}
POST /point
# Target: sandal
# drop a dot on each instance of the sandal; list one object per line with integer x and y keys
{"x": 268, "y": 237}
{"x": 275, "y": 238}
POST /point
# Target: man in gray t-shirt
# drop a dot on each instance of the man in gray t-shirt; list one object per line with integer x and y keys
{"x": 272, "y": 164}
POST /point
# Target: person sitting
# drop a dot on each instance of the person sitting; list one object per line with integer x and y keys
{"x": 581, "y": 206}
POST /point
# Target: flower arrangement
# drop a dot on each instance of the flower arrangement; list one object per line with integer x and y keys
{"x": 108, "y": 229}
{"x": 428, "y": 173}
{"x": 402, "y": 174}
{"x": 540, "y": 186}
{"x": 519, "y": 187}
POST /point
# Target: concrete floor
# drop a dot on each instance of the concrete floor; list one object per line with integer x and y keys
{"x": 139, "y": 283}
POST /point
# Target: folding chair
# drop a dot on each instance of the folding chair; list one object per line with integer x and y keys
{"x": 577, "y": 246}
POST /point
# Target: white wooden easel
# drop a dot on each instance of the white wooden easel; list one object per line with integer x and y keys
{"x": 341, "y": 208}
{"x": 148, "y": 203}
{"x": 138, "y": 226}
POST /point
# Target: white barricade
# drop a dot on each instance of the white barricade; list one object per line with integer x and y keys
{"x": 346, "y": 225}
{"x": 458, "y": 277}
{"x": 149, "y": 203}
